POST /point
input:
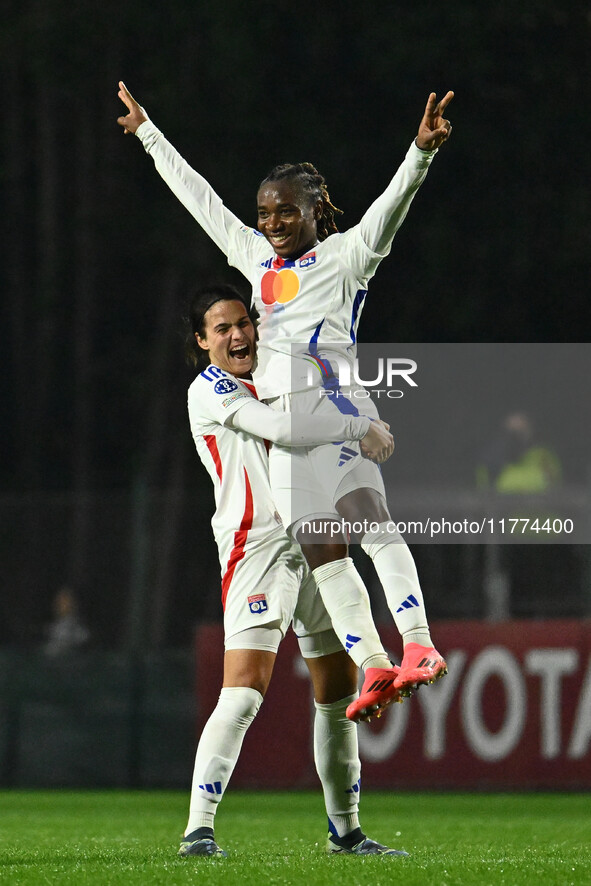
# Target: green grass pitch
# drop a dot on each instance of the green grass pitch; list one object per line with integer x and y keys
{"x": 121, "y": 837}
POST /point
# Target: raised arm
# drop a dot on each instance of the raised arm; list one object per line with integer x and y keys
{"x": 383, "y": 218}
{"x": 193, "y": 191}
{"x": 287, "y": 429}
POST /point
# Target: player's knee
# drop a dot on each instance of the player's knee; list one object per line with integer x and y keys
{"x": 322, "y": 553}
{"x": 334, "y": 677}
{"x": 363, "y": 506}
{"x": 249, "y": 668}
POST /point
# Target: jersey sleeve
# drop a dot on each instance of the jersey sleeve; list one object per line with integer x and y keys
{"x": 367, "y": 243}
{"x": 287, "y": 429}
{"x": 383, "y": 218}
{"x": 193, "y": 191}
{"x": 246, "y": 249}
{"x": 213, "y": 398}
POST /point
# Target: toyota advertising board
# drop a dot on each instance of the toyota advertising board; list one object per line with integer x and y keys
{"x": 513, "y": 712}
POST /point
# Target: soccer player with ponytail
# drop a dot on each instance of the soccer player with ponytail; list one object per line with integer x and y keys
{"x": 265, "y": 582}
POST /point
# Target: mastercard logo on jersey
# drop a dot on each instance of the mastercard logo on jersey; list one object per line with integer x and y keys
{"x": 282, "y": 286}
{"x": 279, "y": 287}
{"x": 257, "y": 603}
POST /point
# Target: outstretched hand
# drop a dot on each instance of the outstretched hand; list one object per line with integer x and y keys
{"x": 136, "y": 115}
{"x": 434, "y": 130}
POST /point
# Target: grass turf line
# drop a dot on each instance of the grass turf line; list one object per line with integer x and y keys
{"x": 119, "y": 837}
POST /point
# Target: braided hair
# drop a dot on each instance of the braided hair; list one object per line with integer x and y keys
{"x": 314, "y": 186}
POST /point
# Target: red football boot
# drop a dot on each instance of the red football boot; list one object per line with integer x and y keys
{"x": 420, "y": 665}
{"x": 377, "y": 692}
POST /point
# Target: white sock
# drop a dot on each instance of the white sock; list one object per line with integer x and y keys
{"x": 218, "y": 751}
{"x": 397, "y": 572}
{"x": 336, "y": 755}
{"x": 347, "y": 602}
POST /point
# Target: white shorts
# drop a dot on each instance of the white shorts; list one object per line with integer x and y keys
{"x": 265, "y": 586}
{"x": 271, "y": 588}
{"x": 308, "y": 481}
{"x": 365, "y": 474}
{"x": 311, "y": 623}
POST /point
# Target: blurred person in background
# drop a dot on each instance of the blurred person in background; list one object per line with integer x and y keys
{"x": 67, "y": 632}
{"x": 516, "y": 461}
{"x": 535, "y": 577}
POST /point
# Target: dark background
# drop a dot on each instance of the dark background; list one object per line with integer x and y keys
{"x": 101, "y": 488}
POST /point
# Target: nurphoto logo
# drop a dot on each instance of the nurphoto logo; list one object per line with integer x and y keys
{"x": 337, "y": 374}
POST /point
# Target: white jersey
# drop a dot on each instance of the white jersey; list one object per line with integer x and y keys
{"x": 233, "y": 449}
{"x": 245, "y": 515}
{"x": 309, "y": 307}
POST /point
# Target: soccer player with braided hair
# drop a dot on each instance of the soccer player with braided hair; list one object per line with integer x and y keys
{"x": 313, "y": 184}
{"x": 309, "y": 284}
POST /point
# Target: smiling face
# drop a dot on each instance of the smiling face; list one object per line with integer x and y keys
{"x": 287, "y": 218}
{"x": 229, "y": 337}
